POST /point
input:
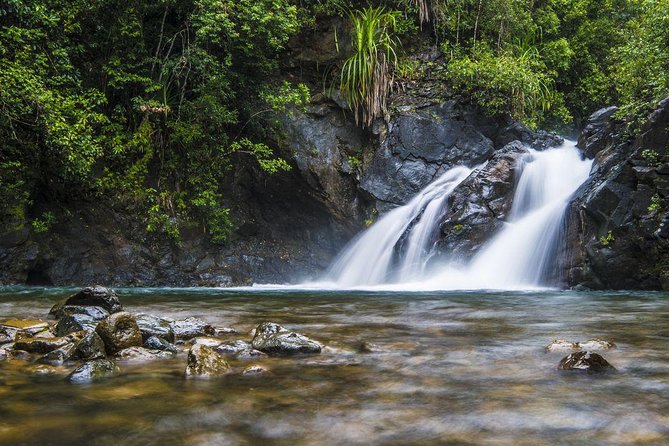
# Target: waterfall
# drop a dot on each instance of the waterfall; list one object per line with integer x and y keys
{"x": 394, "y": 252}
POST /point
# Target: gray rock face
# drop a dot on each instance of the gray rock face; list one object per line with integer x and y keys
{"x": 586, "y": 362}
{"x": 205, "y": 362}
{"x": 597, "y": 132}
{"x": 478, "y": 207}
{"x": 151, "y": 325}
{"x": 119, "y": 331}
{"x": 618, "y": 223}
{"x": 156, "y": 343}
{"x": 75, "y": 322}
{"x": 191, "y": 327}
{"x": 273, "y": 339}
{"x": 92, "y": 371}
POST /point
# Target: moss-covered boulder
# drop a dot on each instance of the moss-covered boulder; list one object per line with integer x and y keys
{"x": 119, "y": 331}
{"x": 205, "y": 362}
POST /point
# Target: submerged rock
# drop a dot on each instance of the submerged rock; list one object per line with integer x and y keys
{"x": 191, "y": 327}
{"x": 561, "y": 345}
{"x": 92, "y": 371}
{"x": 204, "y": 361}
{"x": 255, "y": 370}
{"x": 274, "y": 339}
{"x": 75, "y": 322}
{"x": 239, "y": 349}
{"x": 141, "y": 354}
{"x": 587, "y": 362}
{"x": 597, "y": 344}
{"x": 151, "y": 325}
{"x": 97, "y": 296}
{"x": 119, "y": 331}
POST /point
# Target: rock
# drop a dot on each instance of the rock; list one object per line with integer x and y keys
{"x": 14, "y": 329}
{"x": 59, "y": 355}
{"x": 478, "y": 207}
{"x": 90, "y": 347}
{"x": 560, "y": 345}
{"x": 239, "y": 349}
{"x": 273, "y": 339}
{"x": 119, "y": 331}
{"x": 151, "y": 325}
{"x": 223, "y": 331}
{"x": 92, "y": 371}
{"x": 597, "y": 131}
{"x": 190, "y": 328}
{"x": 254, "y": 370}
{"x": 42, "y": 345}
{"x": 75, "y": 322}
{"x": 141, "y": 354}
{"x": 97, "y": 313}
{"x": 97, "y": 296}
{"x": 156, "y": 343}
{"x": 42, "y": 370}
{"x": 597, "y": 344}
{"x": 368, "y": 347}
{"x": 585, "y": 362}
{"x": 205, "y": 362}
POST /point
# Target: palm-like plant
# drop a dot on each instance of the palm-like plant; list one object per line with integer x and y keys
{"x": 366, "y": 76}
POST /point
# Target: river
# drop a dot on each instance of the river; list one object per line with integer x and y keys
{"x": 445, "y": 368}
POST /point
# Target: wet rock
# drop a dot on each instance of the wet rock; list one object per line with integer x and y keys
{"x": 75, "y": 322}
{"x": 42, "y": 370}
{"x": 254, "y": 370}
{"x": 119, "y": 331}
{"x": 239, "y": 349}
{"x": 141, "y": 354}
{"x": 60, "y": 355}
{"x": 597, "y": 132}
{"x": 92, "y": 371}
{"x": 597, "y": 344}
{"x": 274, "y": 339}
{"x": 91, "y": 346}
{"x": 561, "y": 345}
{"x": 224, "y": 331}
{"x": 587, "y": 362}
{"x": 97, "y": 313}
{"x": 205, "y": 362}
{"x": 478, "y": 207}
{"x": 156, "y": 343}
{"x": 205, "y": 340}
{"x": 14, "y": 329}
{"x": 191, "y": 327}
{"x": 41, "y": 345}
{"x": 368, "y": 347}
{"x": 97, "y": 296}
{"x": 151, "y": 325}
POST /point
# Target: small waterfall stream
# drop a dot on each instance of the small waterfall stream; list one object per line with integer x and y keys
{"x": 394, "y": 252}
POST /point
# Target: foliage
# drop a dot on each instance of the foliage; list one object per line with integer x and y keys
{"x": 607, "y": 239}
{"x": 366, "y": 76}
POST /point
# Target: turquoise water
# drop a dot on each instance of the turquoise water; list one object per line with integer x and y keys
{"x": 447, "y": 368}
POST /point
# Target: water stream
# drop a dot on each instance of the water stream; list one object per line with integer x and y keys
{"x": 445, "y": 368}
{"x": 520, "y": 256}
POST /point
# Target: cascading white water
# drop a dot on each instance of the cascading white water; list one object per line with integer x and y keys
{"x": 394, "y": 251}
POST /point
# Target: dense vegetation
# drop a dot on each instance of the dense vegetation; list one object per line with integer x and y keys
{"x": 152, "y": 103}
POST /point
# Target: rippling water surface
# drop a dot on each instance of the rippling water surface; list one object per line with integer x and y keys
{"x": 448, "y": 368}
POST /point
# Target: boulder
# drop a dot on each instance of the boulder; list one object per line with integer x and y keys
{"x": 75, "y": 322}
{"x": 97, "y": 296}
{"x": 586, "y": 362}
{"x": 204, "y": 362}
{"x": 92, "y": 371}
{"x": 14, "y": 329}
{"x": 44, "y": 345}
{"x": 59, "y": 355}
{"x": 191, "y": 327}
{"x": 151, "y": 325}
{"x": 119, "y": 331}
{"x": 156, "y": 343}
{"x": 478, "y": 207}
{"x": 597, "y": 132}
{"x": 274, "y": 339}
{"x": 91, "y": 346}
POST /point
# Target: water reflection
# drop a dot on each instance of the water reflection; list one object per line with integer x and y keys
{"x": 450, "y": 368}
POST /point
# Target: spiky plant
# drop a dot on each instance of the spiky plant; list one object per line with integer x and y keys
{"x": 366, "y": 76}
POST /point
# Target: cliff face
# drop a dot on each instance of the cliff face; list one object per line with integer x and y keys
{"x": 618, "y": 224}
